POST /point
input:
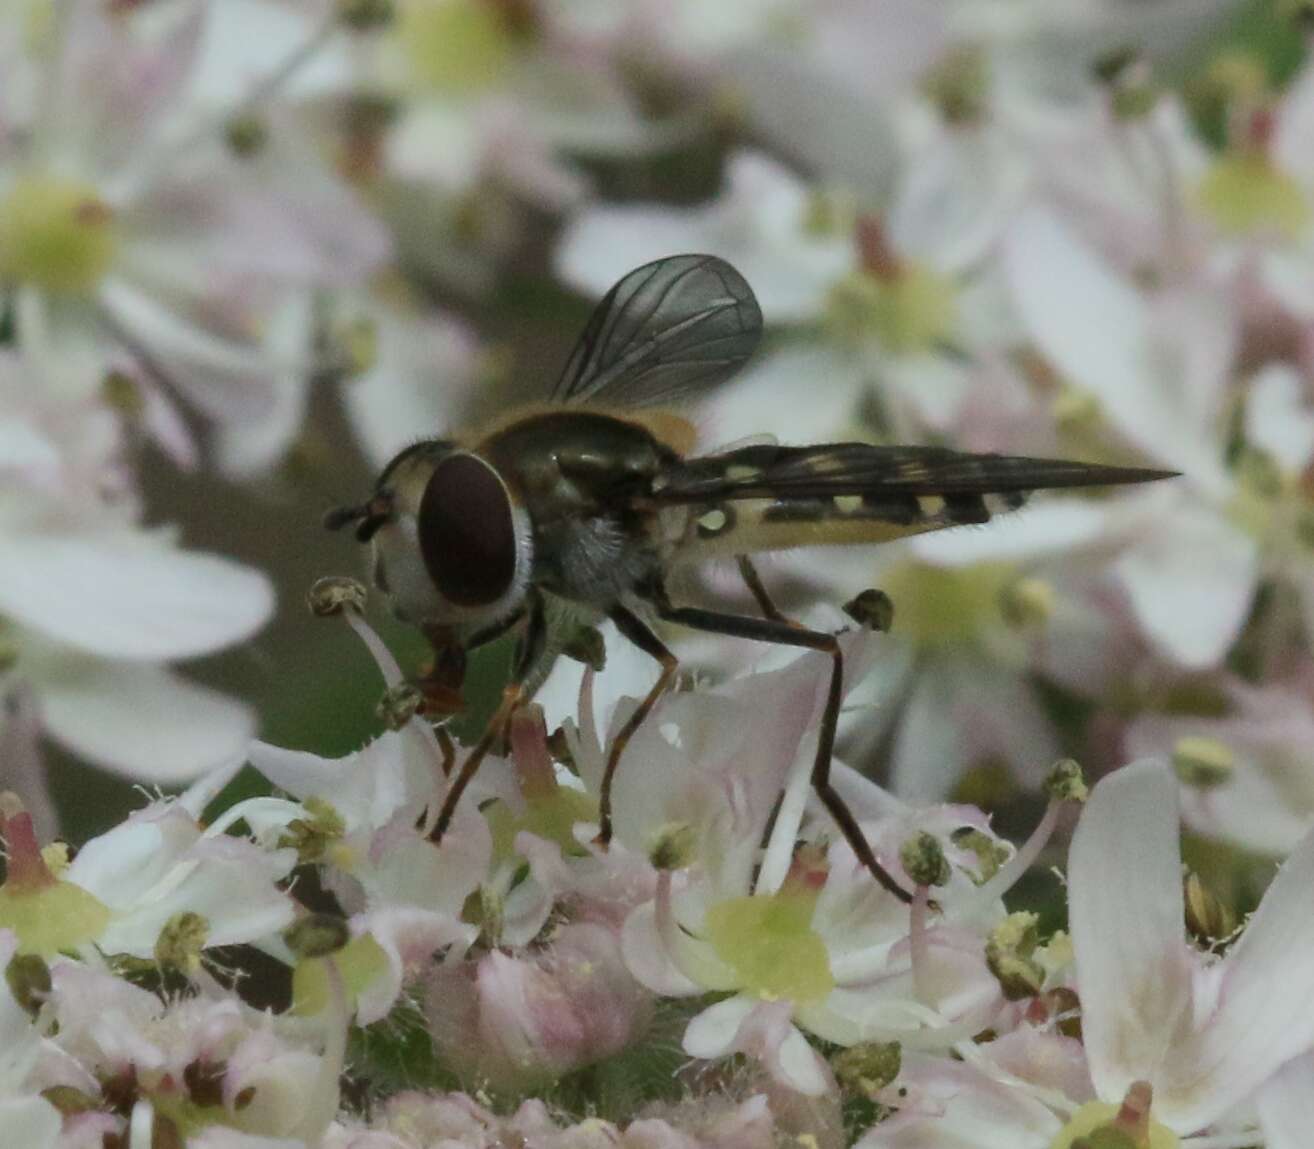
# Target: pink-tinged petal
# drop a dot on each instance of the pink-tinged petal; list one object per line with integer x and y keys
{"x": 1097, "y": 330}
{"x": 1286, "y": 1105}
{"x": 1265, "y": 1006}
{"x": 1278, "y": 420}
{"x": 142, "y": 721}
{"x": 409, "y": 938}
{"x": 22, "y": 769}
{"x": 1044, "y": 1058}
{"x": 130, "y": 595}
{"x": 1191, "y": 581}
{"x": 113, "y": 85}
{"x": 1126, "y": 913}
{"x": 645, "y": 954}
{"x": 942, "y": 1104}
{"x": 762, "y": 1030}
{"x": 1266, "y": 803}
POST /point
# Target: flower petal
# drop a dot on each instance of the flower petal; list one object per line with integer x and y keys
{"x": 1191, "y": 582}
{"x": 1100, "y": 334}
{"x": 1265, "y": 1011}
{"x": 1277, "y": 419}
{"x": 1126, "y": 913}
{"x": 713, "y": 1032}
{"x": 1286, "y": 1105}
{"x": 142, "y": 721}
{"x": 125, "y": 594}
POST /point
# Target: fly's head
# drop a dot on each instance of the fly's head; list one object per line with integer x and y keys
{"x": 452, "y": 547}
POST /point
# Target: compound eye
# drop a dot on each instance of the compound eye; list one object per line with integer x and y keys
{"x": 467, "y": 532}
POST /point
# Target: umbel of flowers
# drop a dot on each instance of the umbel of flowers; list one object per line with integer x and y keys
{"x": 725, "y": 974}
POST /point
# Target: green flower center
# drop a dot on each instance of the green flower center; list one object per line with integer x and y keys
{"x": 768, "y": 940}
{"x": 910, "y": 312}
{"x": 55, "y": 234}
{"x": 359, "y": 962}
{"x": 1094, "y": 1123}
{"x": 52, "y": 918}
{"x": 550, "y": 816}
{"x": 1244, "y": 193}
{"x": 455, "y": 47}
{"x": 938, "y": 607}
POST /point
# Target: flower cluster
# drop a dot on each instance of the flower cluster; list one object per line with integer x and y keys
{"x": 1035, "y": 229}
{"x": 725, "y": 973}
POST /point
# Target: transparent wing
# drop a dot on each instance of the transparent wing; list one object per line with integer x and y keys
{"x": 669, "y": 329}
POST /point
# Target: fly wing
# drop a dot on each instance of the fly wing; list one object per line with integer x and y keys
{"x": 770, "y": 497}
{"x": 668, "y": 330}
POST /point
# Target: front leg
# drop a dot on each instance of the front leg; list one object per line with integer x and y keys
{"x": 513, "y": 696}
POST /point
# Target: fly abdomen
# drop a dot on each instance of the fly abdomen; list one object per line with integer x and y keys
{"x": 771, "y": 497}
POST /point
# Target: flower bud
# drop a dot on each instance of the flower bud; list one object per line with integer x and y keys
{"x": 517, "y": 1020}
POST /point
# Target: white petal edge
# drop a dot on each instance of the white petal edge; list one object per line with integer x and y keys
{"x": 1126, "y": 914}
{"x": 142, "y": 721}
{"x": 126, "y": 594}
{"x": 1265, "y": 1011}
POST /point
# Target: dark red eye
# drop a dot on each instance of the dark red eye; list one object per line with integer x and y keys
{"x": 467, "y": 533}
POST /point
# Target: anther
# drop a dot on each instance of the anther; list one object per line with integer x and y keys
{"x": 873, "y": 609}
{"x": 333, "y": 594}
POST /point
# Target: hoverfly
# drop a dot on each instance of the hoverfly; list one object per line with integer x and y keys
{"x": 578, "y": 509}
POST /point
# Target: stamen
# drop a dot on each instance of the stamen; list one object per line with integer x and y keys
{"x": 919, "y": 945}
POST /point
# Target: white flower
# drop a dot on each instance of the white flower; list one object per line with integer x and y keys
{"x": 418, "y": 370}
{"x": 1205, "y": 1033}
{"x": 93, "y": 607}
{"x": 1252, "y": 767}
{"x": 1158, "y": 368}
{"x": 1197, "y": 1038}
{"x": 129, "y": 238}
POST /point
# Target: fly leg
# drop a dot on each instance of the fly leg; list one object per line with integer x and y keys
{"x": 513, "y": 696}
{"x": 792, "y": 634}
{"x": 638, "y": 632}
{"x": 757, "y": 588}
